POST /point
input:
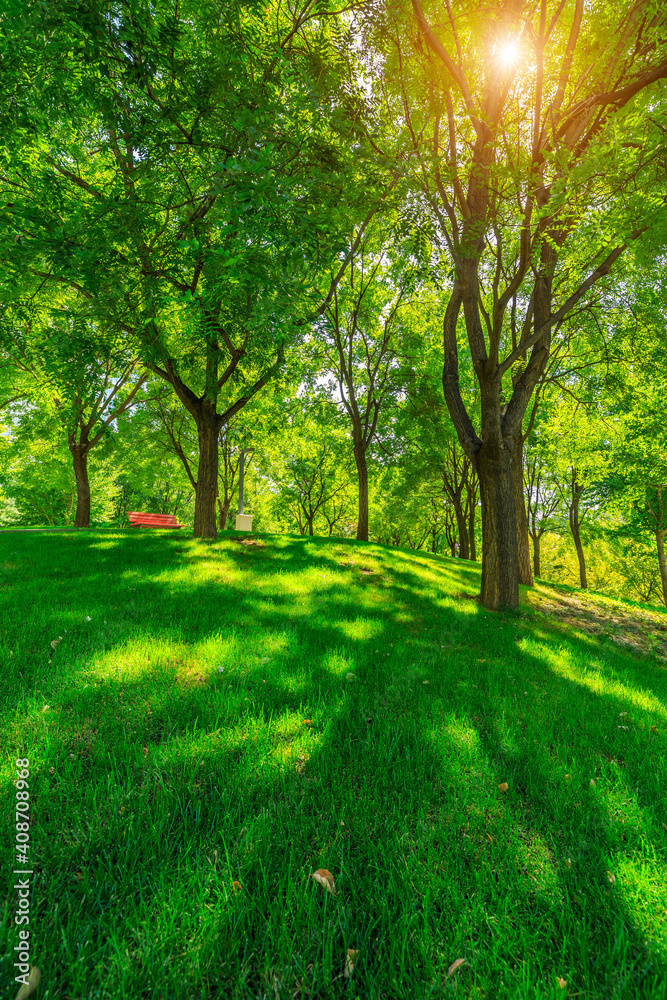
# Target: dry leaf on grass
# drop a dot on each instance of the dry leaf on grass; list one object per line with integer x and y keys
{"x": 561, "y": 982}
{"x": 307, "y": 722}
{"x": 503, "y": 787}
{"x": 236, "y": 885}
{"x": 454, "y": 966}
{"x": 29, "y": 988}
{"x": 567, "y": 777}
{"x": 489, "y": 838}
{"x": 326, "y": 879}
{"x": 349, "y": 964}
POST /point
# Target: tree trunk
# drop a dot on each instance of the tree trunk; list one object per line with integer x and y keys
{"x": 536, "y": 555}
{"x": 224, "y": 511}
{"x": 525, "y": 575}
{"x": 462, "y": 528}
{"x": 207, "y": 472}
{"x": 472, "y": 509}
{"x": 580, "y": 556}
{"x": 80, "y": 462}
{"x": 362, "y": 470}
{"x": 662, "y": 562}
{"x": 577, "y": 490}
{"x": 500, "y": 571}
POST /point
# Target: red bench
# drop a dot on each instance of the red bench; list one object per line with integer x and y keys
{"x": 153, "y": 520}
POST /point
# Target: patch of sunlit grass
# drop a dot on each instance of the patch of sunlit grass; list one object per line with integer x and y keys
{"x": 220, "y": 721}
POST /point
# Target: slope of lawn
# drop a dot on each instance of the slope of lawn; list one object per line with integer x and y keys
{"x": 208, "y": 724}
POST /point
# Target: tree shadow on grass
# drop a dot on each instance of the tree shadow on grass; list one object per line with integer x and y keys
{"x": 392, "y": 785}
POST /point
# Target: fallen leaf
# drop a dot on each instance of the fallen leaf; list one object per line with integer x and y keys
{"x": 54, "y": 642}
{"x": 307, "y": 722}
{"x": 503, "y": 787}
{"x": 33, "y": 982}
{"x": 349, "y": 964}
{"x": 561, "y": 982}
{"x": 45, "y": 708}
{"x": 236, "y": 885}
{"x": 567, "y": 777}
{"x": 612, "y": 878}
{"x": 326, "y": 879}
{"x": 592, "y": 781}
{"x": 489, "y": 838}
{"x": 569, "y": 863}
{"x": 454, "y": 966}
{"x": 52, "y": 770}
{"x": 145, "y": 751}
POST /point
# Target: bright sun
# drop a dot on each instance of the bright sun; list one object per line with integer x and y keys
{"x": 508, "y": 53}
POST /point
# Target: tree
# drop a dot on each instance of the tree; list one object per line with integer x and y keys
{"x": 638, "y": 482}
{"x": 150, "y": 476}
{"x": 580, "y": 439}
{"x": 542, "y": 500}
{"x": 37, "y": 483}
{"x": 536, "y": 155}
{"x": 428, "y": 443}
{"x": 310, "y": 484}
{"x": 232, "y": 438}
{"x": 194, "y": 171}
{"x": 457, "y": 476}
{"x": 86, "y": 381}
{"x": 356, "y": 332}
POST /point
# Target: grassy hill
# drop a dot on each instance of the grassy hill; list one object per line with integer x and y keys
{"x": 208, "y": 724}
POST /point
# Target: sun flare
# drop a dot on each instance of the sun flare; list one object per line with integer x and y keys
{"x": 508, "y": 53}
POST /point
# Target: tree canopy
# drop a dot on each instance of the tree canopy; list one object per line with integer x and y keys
{"x": 456, "y": 215}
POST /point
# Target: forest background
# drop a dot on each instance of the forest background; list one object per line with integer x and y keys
{"x": 229, "y": 226}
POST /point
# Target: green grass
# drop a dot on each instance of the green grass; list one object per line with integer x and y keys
{"x": 171, "y": 756}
